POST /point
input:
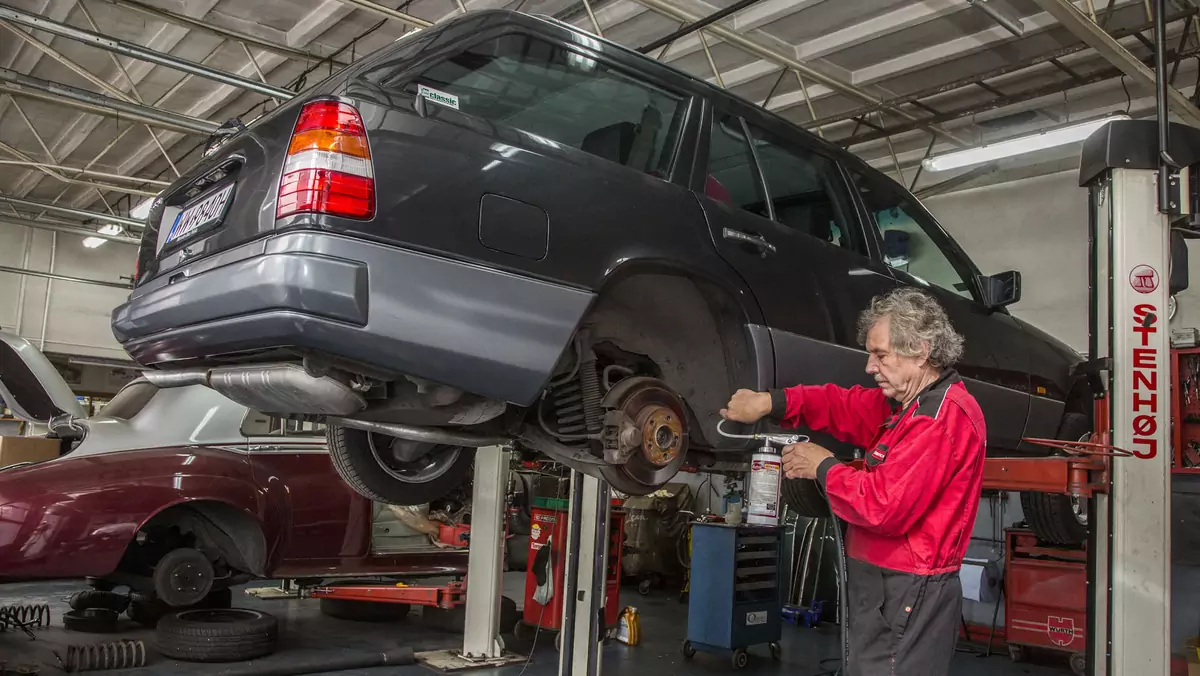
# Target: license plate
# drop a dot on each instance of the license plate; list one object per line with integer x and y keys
{"x": 207, "y": 211}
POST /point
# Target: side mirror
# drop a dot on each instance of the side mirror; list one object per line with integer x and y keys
{"x": 1001, "y": 290}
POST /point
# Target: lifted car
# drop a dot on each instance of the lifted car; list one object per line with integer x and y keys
{"x": 181, "y": 493}
{"x": 503, "y": 229}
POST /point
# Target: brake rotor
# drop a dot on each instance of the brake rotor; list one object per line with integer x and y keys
{"x": 660, "y": 431}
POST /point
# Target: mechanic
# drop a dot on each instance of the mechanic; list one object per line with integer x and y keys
{"x": 911, "y": 509}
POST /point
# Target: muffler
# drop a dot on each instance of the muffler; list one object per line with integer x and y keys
{"x": 270, "y": 388}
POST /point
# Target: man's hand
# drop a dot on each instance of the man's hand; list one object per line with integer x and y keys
{"x": 800, "y": 461}
{"x": 747, "y": 406}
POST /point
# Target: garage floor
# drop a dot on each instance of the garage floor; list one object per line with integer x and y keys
{"x": 306, "y": 634}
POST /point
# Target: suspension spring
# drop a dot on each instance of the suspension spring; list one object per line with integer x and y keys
{"x": 568, "y": 407}
{"x": 123, "y": 654}
{"x": 593, "y": 413}
{"x": 26, "y": 617}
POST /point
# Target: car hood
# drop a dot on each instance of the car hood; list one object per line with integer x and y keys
{"x": 30, "y": 385}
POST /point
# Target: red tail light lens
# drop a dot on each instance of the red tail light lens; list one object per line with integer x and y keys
{"x": 328, "y": 168}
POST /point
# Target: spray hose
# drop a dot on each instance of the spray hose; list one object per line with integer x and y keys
{"x": 781, "y": 440}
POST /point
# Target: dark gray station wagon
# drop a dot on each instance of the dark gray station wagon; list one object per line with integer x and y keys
{"x": 504, "y": 229}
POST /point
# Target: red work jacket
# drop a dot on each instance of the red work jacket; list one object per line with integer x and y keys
{"x": 913, "y": 506}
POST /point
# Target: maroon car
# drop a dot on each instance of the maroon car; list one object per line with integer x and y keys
{"x": 181, "y": 493}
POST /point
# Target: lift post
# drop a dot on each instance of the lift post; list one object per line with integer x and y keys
{"x": 584, "y": 576}
{"x": 1129, "y": 245}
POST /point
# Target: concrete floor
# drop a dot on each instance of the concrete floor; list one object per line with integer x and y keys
{"x": 306, "y": 634}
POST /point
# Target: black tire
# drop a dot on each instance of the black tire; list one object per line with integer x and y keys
{"x": 229, "y": 635}
{"x": 183, "y": 577}
{"x": 776, "y": 652}
{"x": 524, "y": 632}
{"x": 92, "y": 620}
{"x": 93, "y": 598}
{"x": 1078, "y": 662}
{"x": 645, "y": 587}
{"x": 146, "y": 611}
{"x": 352, "y": 456}
{"x": 805, "y": 497}
{"x": 364, "y": 611}
{"x": 1059, "y": 519}
{"x": 688, "y": 651}
{"x": 740, "y": 659}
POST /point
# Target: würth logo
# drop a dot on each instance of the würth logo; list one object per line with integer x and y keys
{"x": 1144, "y": 279}
{"x": 1061, "y": 630}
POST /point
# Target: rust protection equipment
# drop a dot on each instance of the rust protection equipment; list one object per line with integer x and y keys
{"x": 910, "y": 513}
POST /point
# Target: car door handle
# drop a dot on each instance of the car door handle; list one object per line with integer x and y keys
{"x": 745, "y": 237}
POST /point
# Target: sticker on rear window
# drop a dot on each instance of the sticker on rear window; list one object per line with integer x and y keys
{"x": 442, "y": 98}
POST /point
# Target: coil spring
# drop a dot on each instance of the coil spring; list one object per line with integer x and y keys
{"x": 24, "y": 617}
{"x": 123, "y": 654}
{"x": 593, "y": 414}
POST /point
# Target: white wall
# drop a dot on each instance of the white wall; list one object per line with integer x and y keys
{"x": 78, "y": 319}
{"x": 1037, "y": 226}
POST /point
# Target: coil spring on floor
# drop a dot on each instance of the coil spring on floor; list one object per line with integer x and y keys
{"x": 123, "y": 654}
{"x": 27, "y": 616}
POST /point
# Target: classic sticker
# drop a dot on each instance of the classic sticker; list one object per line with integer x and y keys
{"x": 441, "y": 98}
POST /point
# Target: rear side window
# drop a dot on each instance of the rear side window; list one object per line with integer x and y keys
{"x": 566, "y": 97}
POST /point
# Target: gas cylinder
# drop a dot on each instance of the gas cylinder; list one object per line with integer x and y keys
{"x": 762, "y": 489}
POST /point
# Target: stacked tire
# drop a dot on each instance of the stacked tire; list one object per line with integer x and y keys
{"x": 217, "y": 635}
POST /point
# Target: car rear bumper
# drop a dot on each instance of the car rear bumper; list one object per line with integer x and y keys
{"x": 485, "y": 331}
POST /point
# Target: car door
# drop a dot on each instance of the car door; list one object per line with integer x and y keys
{"x": 781, "y": 214}
{"x": 325, "y": 519}
{"x": 923, "y": 256}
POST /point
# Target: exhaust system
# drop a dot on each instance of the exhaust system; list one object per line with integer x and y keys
{"x": 270, "y": 388}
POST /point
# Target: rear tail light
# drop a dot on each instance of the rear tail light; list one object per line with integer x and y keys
{"x": 328, "y": 168}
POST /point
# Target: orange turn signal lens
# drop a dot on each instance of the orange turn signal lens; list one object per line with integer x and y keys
{"x": 330, "y": 140}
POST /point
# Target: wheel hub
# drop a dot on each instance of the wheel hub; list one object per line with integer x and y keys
{"x": 661, "y": 434}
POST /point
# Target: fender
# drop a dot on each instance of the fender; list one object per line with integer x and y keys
{"x": 74, "y": 517}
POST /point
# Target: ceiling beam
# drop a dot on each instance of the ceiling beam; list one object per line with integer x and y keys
{"x": 67, "y": 229}
{"x": 380, "y": 10}
{"x": 758, "y": 49}
{"x": 38, "y": 205}
{"x": 139, "y": 52}
{"x": 1116, "y": 54}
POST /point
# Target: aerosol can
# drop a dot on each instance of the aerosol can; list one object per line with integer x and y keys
{"x": 766, "y": 475}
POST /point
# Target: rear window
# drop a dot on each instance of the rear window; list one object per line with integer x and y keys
{"x": 562, "y": 96}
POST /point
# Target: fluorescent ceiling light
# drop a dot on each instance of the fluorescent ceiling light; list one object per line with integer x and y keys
{"x": 93, "y": 242}
{"x": 111, "y": 229}
{"x": 1017, "y": 146}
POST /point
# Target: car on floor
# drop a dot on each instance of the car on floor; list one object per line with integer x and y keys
{"x": 181, "y": 493}
{"x": 502, "y": 229}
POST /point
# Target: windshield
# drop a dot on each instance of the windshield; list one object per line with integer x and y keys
{"x": 130, "y": 400}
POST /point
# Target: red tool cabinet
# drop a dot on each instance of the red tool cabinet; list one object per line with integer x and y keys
{"x": 1045, "y": 598}
{"x": 550, "y": 524}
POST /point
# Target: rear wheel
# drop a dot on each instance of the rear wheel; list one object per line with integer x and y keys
{"x": 383, "y": 469}
{"x": 1060, "y": 519}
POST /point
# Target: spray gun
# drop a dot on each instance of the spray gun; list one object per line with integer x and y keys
{"x": 766, "y": 474}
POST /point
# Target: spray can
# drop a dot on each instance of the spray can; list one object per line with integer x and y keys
{"x": 762, "y": 489}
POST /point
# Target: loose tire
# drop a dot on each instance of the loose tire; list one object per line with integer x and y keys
{"x": 146, "y": 610}
{"x": 92, "y": 620}
{"x": 230, "y": 635}
{"x": 804, "y": 496}
{"x": 93, "y": 598}
{"x": 364, "y": 611}
{"x": 356, "y": 456}
{"x": 1060, "y": 519}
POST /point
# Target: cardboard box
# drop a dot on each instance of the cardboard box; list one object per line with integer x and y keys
{"x": 27, "y": 449}
{"x": 1188, "y": 337}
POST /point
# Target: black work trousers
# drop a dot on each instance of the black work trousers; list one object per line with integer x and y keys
{"x": 901, "y": 624}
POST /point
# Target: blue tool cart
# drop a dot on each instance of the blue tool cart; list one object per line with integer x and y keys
{"x": 736, "y": 591}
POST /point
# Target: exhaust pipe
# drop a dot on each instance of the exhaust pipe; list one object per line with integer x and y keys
{"x": 184, "y": 378}
{"x": 270, "y": 388}
{"x": 428, "y": 435}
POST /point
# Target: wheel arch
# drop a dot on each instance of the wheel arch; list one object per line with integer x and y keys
{"x": 686, "y": 321}
{"x": 237, "y": 534}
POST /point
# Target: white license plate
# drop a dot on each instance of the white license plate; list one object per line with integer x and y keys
{"x": 205, "y": 212}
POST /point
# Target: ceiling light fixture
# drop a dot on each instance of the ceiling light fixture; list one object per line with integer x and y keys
{"x": 93, "y": 242}
{"x": 1050, "y": 138}
{"x": 142, "y": 210}
{"x": 111, "y": 229}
